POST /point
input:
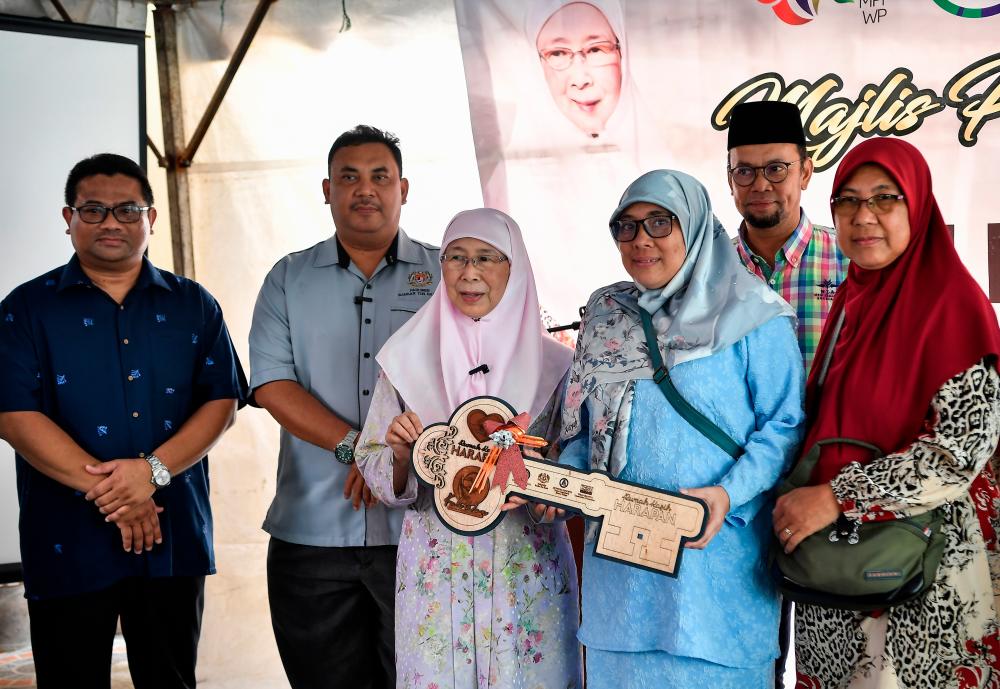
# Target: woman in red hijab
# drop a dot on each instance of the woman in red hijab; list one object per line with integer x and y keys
{"x": 913, "y": 371}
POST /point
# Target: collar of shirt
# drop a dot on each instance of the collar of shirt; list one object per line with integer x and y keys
{"x": 332, "y": 252}
{"x": 792, "y": 249}
{"x": 73, "y": 276}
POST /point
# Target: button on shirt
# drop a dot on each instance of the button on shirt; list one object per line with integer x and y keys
{"x": 319, "y": 321}
{"x": 120, "y": 379}
{"x": 808, "y": 269}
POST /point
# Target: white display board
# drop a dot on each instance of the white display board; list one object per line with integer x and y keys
{"x": 70, "y": 91}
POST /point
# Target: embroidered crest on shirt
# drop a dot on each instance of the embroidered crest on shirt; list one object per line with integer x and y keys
{"x": 827, "y": 288}
{"x": 421, "y": 278}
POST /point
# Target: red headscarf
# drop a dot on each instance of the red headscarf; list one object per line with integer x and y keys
{"x": 909, "y": 328}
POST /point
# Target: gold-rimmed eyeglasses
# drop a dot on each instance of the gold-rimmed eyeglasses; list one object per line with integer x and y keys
{"x": 459, "y": 262}
{"x": 598, "y": 54}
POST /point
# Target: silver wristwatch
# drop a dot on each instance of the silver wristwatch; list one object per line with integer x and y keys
{"x": 161, "y": 475}
{"x": 344, "y": 452}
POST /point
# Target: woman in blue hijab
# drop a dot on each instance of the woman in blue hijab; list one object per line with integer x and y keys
{"x": 729, "y": 345}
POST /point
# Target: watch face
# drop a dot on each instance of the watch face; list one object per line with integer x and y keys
{"x": 162, "y": 477}
{"x": 344, "y": 454}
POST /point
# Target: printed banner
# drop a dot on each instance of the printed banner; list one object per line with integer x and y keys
{"x": 571, "y": 101}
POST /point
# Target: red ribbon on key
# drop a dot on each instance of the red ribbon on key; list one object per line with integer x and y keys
{"x": 505, "y": 454}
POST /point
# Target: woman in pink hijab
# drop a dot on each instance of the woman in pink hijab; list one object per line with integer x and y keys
{"x": 498, "y": 610}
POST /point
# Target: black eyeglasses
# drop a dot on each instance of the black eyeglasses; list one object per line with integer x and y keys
{"x": 93, "y": 213}
{"x": 775, "y": 172}
{"x": 878, "y": 204}
{"x": 656, "y": 226}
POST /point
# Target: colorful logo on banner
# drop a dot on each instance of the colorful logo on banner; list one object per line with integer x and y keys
{"x": 968, "y": 12}
{"x": 895, "y": 107}
{"x": 796, "y": 12}
{"x": 799, "y": 12}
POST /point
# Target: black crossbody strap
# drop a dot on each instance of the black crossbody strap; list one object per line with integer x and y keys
{"x": 694, "y": 417}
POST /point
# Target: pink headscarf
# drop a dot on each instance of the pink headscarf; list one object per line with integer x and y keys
{"x": 428, "y": 360}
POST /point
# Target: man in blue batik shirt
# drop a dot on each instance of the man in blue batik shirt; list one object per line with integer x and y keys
{"x": 116, "y": 378}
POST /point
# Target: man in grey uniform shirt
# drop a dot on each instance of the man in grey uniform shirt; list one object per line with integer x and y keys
{"x": 320, "y": 319}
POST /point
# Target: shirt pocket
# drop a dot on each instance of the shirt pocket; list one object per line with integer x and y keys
{"x": 400, "y": 312}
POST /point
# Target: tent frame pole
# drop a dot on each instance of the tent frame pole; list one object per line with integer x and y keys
{"x": 177, "y": 155}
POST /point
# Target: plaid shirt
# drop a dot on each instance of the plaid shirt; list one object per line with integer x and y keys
{"x": 807, "y": 271}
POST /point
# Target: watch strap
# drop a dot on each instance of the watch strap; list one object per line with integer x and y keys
{"x": 344, "y": 452}
{"x": 157, "y": 466}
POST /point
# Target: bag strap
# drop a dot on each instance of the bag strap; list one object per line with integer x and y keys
{"x": 804, "y": 468}
{"x": 824, "y": 367}
{"x": 694, "y": 417}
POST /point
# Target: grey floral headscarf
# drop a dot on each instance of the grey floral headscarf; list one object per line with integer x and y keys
{"x": 710, "y": 304}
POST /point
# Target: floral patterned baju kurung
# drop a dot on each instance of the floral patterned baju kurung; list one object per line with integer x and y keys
{"x": 949, "y": 637}
{"x": 497, "y": 610}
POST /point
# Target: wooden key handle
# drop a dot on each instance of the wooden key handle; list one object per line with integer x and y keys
{"x": 450, "y": 457}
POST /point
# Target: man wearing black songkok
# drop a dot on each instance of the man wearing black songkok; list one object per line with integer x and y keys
{"x": 768, "y": 170}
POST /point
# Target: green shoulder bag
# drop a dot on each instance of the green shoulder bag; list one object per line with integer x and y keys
{"x": 858, "y": 566}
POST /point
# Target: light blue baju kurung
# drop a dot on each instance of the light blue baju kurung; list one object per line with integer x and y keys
{"x": 716, "y": 624}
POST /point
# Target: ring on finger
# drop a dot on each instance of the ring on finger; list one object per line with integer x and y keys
{"x": 788, "y": 532}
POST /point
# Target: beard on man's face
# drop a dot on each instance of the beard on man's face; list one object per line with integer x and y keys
{"x": 764, "y": 222}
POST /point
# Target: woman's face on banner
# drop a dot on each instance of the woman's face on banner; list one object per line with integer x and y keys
{"x": 582, "y": 62}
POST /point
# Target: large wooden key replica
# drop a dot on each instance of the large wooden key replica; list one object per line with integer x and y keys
{"x": 474, "y": 461}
